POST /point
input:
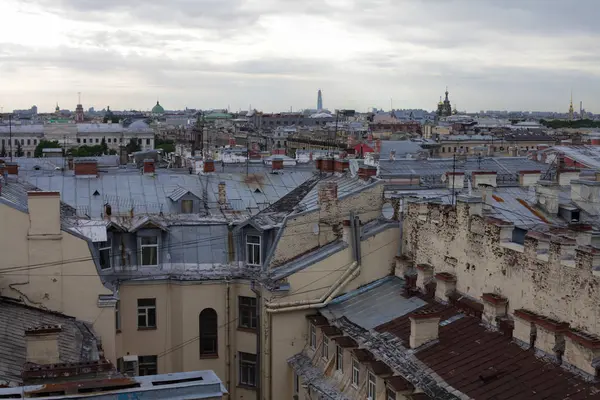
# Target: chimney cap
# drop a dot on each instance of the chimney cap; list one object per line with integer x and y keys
{"x": 427, "y": 313}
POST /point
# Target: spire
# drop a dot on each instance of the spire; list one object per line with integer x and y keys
{"x": 446, "y": 94}
{"x": 571, "y": 111}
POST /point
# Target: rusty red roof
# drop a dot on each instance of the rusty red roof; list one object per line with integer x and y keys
{"x": 486, "y": 364}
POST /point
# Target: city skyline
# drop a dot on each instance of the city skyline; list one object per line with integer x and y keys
{"x": 276, "y": 54}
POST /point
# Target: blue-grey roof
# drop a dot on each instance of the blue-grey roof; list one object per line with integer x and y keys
{"x": 373, "y": 304}
{"x": 402, "y": 148}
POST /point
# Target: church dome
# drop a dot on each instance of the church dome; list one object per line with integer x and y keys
{"x": 157, "y": 109}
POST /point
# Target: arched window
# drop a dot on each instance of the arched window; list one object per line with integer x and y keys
{"x": 208, "y": 333}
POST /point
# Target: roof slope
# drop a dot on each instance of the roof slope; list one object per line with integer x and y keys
{"x": 76, "y": 341}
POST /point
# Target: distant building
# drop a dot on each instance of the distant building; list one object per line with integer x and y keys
{"x": 158, "y": 109}
{"x": 444, "y": 108}
{"x": 26, "y": 113}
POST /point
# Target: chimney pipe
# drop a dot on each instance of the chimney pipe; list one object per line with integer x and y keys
{"x": 424, "y": 327}
{"x": 209, "y": 166}
{"x": 277, "y": 164}
{"x": 149, "y": 167}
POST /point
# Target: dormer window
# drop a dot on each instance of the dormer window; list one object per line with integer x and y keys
{"x": 187, "y": 206}
{"x": 253, "y": 253}
{"x": 149, "y": 251}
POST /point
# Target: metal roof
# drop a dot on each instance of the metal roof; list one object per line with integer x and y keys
{"x": 373, "y": 304}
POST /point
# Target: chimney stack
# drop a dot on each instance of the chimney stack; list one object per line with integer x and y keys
{"x": 342, "y": 165}
{"x": 529, "y": 178}
{"x": 149, "y": 167}
{"x": 12, "y": 168}
{"x": 485, "y": 178}
{"x": 277, "y": 164}
{"x": 378, "y": 146}
{"x": 582, "y": 350}
{"x": 222, "y": 193}
{"x": 494, "y": 307}
{"x": 424, "y": 327}
{"x": 44, "y": 214}
{"x": 424, "y": 275}
{"x": 209, "y": 166}
{"x": 365, "y": 172}
{"x": 565, "y": 176}
{"x": 42, "y": 344}
{"x": 525, "y": 329}
{"x": 86, "y": 168}
{"x": 455, "y": 180}
{"x": 328, "y": 194}
{"x": 445, "y": 285}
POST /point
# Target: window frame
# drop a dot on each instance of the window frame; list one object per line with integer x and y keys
{"x": 245, "y": 365}
{"x": 371, "y": 386}
{"x": 102, "y": 247}
{"x": 296, "y": 383}
{"x": 150, "y": 363}
{"x": 355, "y": 373}
{"x": 247, "y": 311}
{"x": 339, "y": 358}
{"x": 255, "y": 247}
{"x": 212, "y": 336}
{"x": 325, "y": 348}
{"x": 118, "y": 315}
{"x": 390, "y": 394}
{"x": 191, "y": 206}
{"x": 312, "y": 336}
{"x": 149, "y": 246}
{"x": 147, "y": 310}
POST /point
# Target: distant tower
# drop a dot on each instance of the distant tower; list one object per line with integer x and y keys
{"x": 57, "y": 109}
{"x": 79, "y": 116}
{"x": 444, "y": 107}
{"x": 581, "y": 116}
{"x": 319, "y": 100}
{"x": 571, "y": 107}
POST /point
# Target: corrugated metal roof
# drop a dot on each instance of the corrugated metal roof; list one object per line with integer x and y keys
{"x": 373, "y": 304}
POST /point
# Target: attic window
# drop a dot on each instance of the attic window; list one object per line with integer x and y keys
{"x": 96, "y": 193}
{"x": 257, "y": 190}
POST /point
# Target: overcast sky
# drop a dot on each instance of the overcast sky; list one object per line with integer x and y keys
{"x": 276, "y": 54}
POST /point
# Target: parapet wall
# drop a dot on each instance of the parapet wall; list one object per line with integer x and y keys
{"x": 549, "y": 274}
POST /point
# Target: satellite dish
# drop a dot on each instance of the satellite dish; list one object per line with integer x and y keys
{"x": 387, "y": 211}
{"x": 444, "y": 177}
{"x": 315, "y": 229}
{"x": 542, "y": 200}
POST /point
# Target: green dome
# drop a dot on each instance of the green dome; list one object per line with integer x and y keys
{"x": 157, "y": 109}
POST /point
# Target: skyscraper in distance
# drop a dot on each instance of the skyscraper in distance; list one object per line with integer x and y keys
{"x": 319, "y": 100}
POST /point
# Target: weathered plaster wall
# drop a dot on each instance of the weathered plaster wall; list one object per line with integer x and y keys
{"x": 299, "y": 235}
{"x": 478, "y": 252}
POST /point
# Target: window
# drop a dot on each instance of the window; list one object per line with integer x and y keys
{"x": 28, "y": 142}
{"x": 247, "y": 369}
{"x": 105, "y": 250}
{"x": 355, "y": 373}
{"x": 325, "y": 348}
{"x": 339, "y": 358}
{"x": 84, "y": 140}
{"x": 97, "y": 140}
{"x": 146, "y": 313}
{"x": 313, "y": 336}
{"x": 247, "y": 312}
{"x": 118, "y": 315}
{"x": 78, "y": 140}
{"x": 148, "y": 141}
{"x": 253, "y": 250}
{"x": 390, "y": 394}
{"x": 149, "y": 250}
{"x": 371, "y": 387}
{"x": 108, "y": 140}
{"x": 208, "y": 332}
{"x": 22, "y": 141}
{"x": 28, "y": 154}
{"x": 443, "y": 149}
{"x": 148, "y": 365}
{"x": 35, "y": 141}
{"x": 187, "y": 206}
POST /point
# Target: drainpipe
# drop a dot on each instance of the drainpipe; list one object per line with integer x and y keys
{"x": 357, "y": 239}
{"x": 228, "y": 340}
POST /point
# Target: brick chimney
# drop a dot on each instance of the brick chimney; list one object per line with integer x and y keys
{"x": 209, "y": 166}
{"x": 44, "y": 214}
{"x": 525, "y": 329}
{"x": 86, "y": 168}
{"x": 342, "y": 165}
{"x": 494, "y": 307}
{"x": 529, "y": 178}
{"x": 365, "y": 172}
{"x": 485, "y": 178}
{"x": 581, "y": 350}
{"x": 551, "y": 336}
{"x": 328, "y": 194}
{"x": 277, "y": 164}
{"x": 149, "y": 167}
{"x": 424, "y": 327}
{"x": 445, "y": 285}
{"x": 222, "y": 193}
{"x": 455, "y": 180}
{"x": 12, "y": 168}
{"x": 327, "y": 164}
{"x": 378, "y": 146}
{"x": 42, "y": 344}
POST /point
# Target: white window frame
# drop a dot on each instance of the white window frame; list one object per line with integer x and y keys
{"x": 104, "y": 246}
{"x": 312, "y": 336}
{"x": 244, "y": 365}
{"x": 251, "y": 251}
{"x": 325, "y": 348}
{"x": 144, "y": 246}
{"x": 371, "y": 386}
{"x": 355, "y": 373}
{"x": 339, "y": 358}
{"x": 145, "y": 311}
{"x": 390, "y": 393}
